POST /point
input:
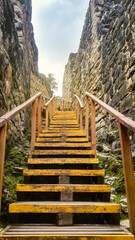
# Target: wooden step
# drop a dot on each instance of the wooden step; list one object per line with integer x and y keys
{"x": 78, "y": 232}
{"x": 64, "y": 129}
{"x": 66, "y": 117}
{"x": 63, "y": 172}
{"x": 70, "y": 122}
{"x": 57, "y": 134}
{"x": 63, "y": 145}
{"x": 76, "y": 140}
{"x": 62, "y": 187}
{"x": 65, "y": 126}
{"x": 63, "y": 152}
{"x": 65, "y": 122}
{"x": 62, "y": 118}
{"x": 64, "y": 207}
{"x": 63, "y": 161}
{"x": 70, "y": 140}
{"x": 64, "y": 112}
{"x": 49, "y": 140}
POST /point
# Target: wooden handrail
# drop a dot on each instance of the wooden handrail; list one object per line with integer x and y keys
{"x": 50, "y": 108}
{"x": 63, "y": 102}
{"x": 3, "y": 129}
{"x": 79, "y": 101}
{"x": 124, "y": 125}
{"x": 50, "y": 100}
{"x": 78, "y": 110}
{"x": 61, "y": 98}
{"x": 127, "y": 122}
{"x": 10, "y": 115}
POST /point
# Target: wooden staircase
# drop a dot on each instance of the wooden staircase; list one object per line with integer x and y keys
{"x": 64, "y": 195}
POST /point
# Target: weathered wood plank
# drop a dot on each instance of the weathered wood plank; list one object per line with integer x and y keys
{"x": 64, "y": 207}
{"x": 63, "y": 145}
{"x": 63, "y": 161}
{"x": 3, "y": 133}
{"x": 69, "y": 236}
{"x": 63, "y": 152}
{"x": 72, "y": 140}
{"x": 60, "y": 172}
{"x": 59, "y": 188}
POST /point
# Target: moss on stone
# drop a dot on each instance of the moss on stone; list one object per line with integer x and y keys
{"x": 15, "y": 162}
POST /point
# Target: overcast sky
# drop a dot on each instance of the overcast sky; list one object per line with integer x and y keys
{"x": 58, "y": 26}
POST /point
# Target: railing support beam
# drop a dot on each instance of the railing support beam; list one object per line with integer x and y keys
{"x": 39, "y": 115}
{"x": 87, "y": 117}
{"x": 63, "y": 105}
{"x": 81, "y": 119}
{"x": 128, "y": 173}
{"x": 78, "y": 112}
{"x": 46, "y": 125}
{"x": 93, "y": 127}
{"x": 33, "y": 126}
{"x": 3, "y": 132}
{"x": 60, "y": 105}
{"x": 68, "y": 106}
{"x": 75, "y": 107}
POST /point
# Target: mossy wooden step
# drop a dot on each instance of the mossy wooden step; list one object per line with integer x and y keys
{"x": 61, "y": 187}
{"x": 47, "y": 140}
{"x": 64, "y": 122}
{"x": 66, "y": 117}
{"x": 62, "y": 112}
{"x": 66, "y": 126}
{"x": 63, "y": 129}
{"x": 63, "y": 152}
{"x": 78, "y": 232}
{"x": 69, "y": 140}
{"x": 64, "y": 207}
{"x": 62, "y": 118}
{"x": 70, "y": 122}
{"x": 66, "y": 112}
{"x": 63, "y": 161}
{"x": 63, "y": 172}
{"x": 60, "y": 133}
{"x": 76, "y": 140}
{"x": 63, "y": 145}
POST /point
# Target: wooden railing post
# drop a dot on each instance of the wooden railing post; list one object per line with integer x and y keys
{"x": 75, "y": 106}
{"x": 68, "y": 106}
{"x": 81, "y": 117}
{"x": 93, "y": 127}
{"x": 63, "y": 105}
{"x": 3, "y": 133}
{"x": 50, "y": 110}
{"x": 39, "y": 115}
{"x": 128, "y": 173}
{"x": 56, "y": 104}
{"x": 60, "y": 105}
{"x": 46, "y": 125}
{"x": 87, "y": 117}
{"x": 33, "y": 126}
{"x": 78, "y": 112}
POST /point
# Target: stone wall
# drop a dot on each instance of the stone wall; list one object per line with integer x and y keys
{"x": 105, "y": 63}
{"x": 68, "y": 78}
{"x": 18, "y": 60}
{"x": 18, "y": 53}
{"x": 40, "y": 84}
